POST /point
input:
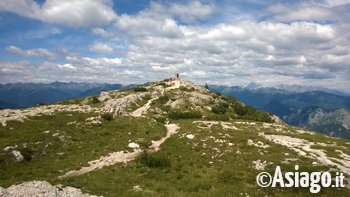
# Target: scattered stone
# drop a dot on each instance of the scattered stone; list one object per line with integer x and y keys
{"x": 8, "y": 148}
{"x": 305, "y": 148}
{"x": 18, "y": 155}
{"x": 22, "y": 114}
{"x": 258, "y": 144}
{"x": 42, "y": 189}
{"x": 133, "y": 145}
{"x": 94, "y": 120}
{"x": 190, "y": 136}
{"x": 260, "y": 165}
{"x": 137, "y": 188}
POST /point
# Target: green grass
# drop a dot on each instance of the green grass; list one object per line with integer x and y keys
{"x": 190, "y": 173}
{"x": 68, "y": 147}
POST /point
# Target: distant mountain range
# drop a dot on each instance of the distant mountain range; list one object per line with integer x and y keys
{"x": 316, "y": 110}
{"x": 20, "y": 95}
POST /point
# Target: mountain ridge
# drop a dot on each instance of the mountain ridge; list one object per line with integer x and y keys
{"x": 294, "y": 108}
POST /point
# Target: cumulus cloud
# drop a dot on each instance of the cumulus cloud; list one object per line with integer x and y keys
{"x": 38, "y": 52}
{"x": 74, "y": 13}
{"x": 333, "y": 3}
{"x": 298, "y": 43}
{"x": 302, "y": 13}
{"x": 101, "y": 32}
{"x": 272, "y": 52}
{"x": 191, "y": 11}
{"x": 101, "y": 48}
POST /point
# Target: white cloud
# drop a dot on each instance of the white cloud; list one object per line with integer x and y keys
{"x": 78, "y": 13}
{"x": 74, "y": 13}
{"x": 145, "y": 24}
{"x": 14, "y": 68}
{"x": 291, "y": 43}
{"x": 270, "y": 52}
{"x": 191, "y": 11}
{"x": 334, "y": 3}
{"x": 27, "y": 8}
{"x": 38, "y": 52}
{"x": 101, "y": 48}
{"x": 301, "y": 13}
{"x": 101, "y": 32}
{"x": 66, "y": 66}
{"x": 95, "y": 62}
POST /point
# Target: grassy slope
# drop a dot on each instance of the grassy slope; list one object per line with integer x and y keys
{"x": 192, "y": 170}
{"x": 190, "y": 173}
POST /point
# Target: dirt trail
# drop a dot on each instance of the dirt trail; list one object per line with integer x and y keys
{"x": 143, "y": 110}
{"x": 121, "y": 156}
{"x": 174, "y": 84}
{"x": 171, "y": 129}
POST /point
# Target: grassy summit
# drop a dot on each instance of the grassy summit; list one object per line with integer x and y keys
{"x": 168, "y": 138}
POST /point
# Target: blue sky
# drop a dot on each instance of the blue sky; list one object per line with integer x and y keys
{"x": 235, "y": 42}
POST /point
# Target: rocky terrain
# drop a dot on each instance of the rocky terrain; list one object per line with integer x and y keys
{"x": 335, "y": 123}
{"x": 41, "y": 188}
{"x": 167, "y": 138}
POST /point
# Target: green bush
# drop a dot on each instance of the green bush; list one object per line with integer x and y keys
{"x": 160, "y": 119}
{"x": 220, "y": 108}
{"x": 94, "y": 100}
{"x": 185, "y": 115}
{"x": 250, "y": 113}
{"x": 164, "y": 84}
{"x": 186, "y": 89}
{"x": 6, "y": 158}
{"x": 27, "y": 153}
{"x": 230, "y": 99}
{"x": 147, "y": 97}
{"x": 155, "y": 160}
{"x": 240, "y": 110}
{"x": 218, "y": 93}
{"x": 217, "y": 117}
{"x": 107, "y": 116}
{"x": 163, "y": 99}
{"x": 140, "y": 89}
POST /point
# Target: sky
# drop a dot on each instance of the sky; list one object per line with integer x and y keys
{"x": 227, "y": 42}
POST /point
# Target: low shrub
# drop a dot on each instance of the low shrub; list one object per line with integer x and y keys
{"x": 250, "y": 113}
{"x": 220, "y": 108}
{"x": 147, "y": 97}
{"x": 217, "y": 117}
{"x": 140, "y": 89}
{"x": 94, "y": 100}
{"x": 163, "y": 99}
{"x": 186, "y": 89}
{"x": 27, "y": 153}
{"x": 155, "y": 160}
{"x": 107, "y": 116}
{"x": 185, "y": 115}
